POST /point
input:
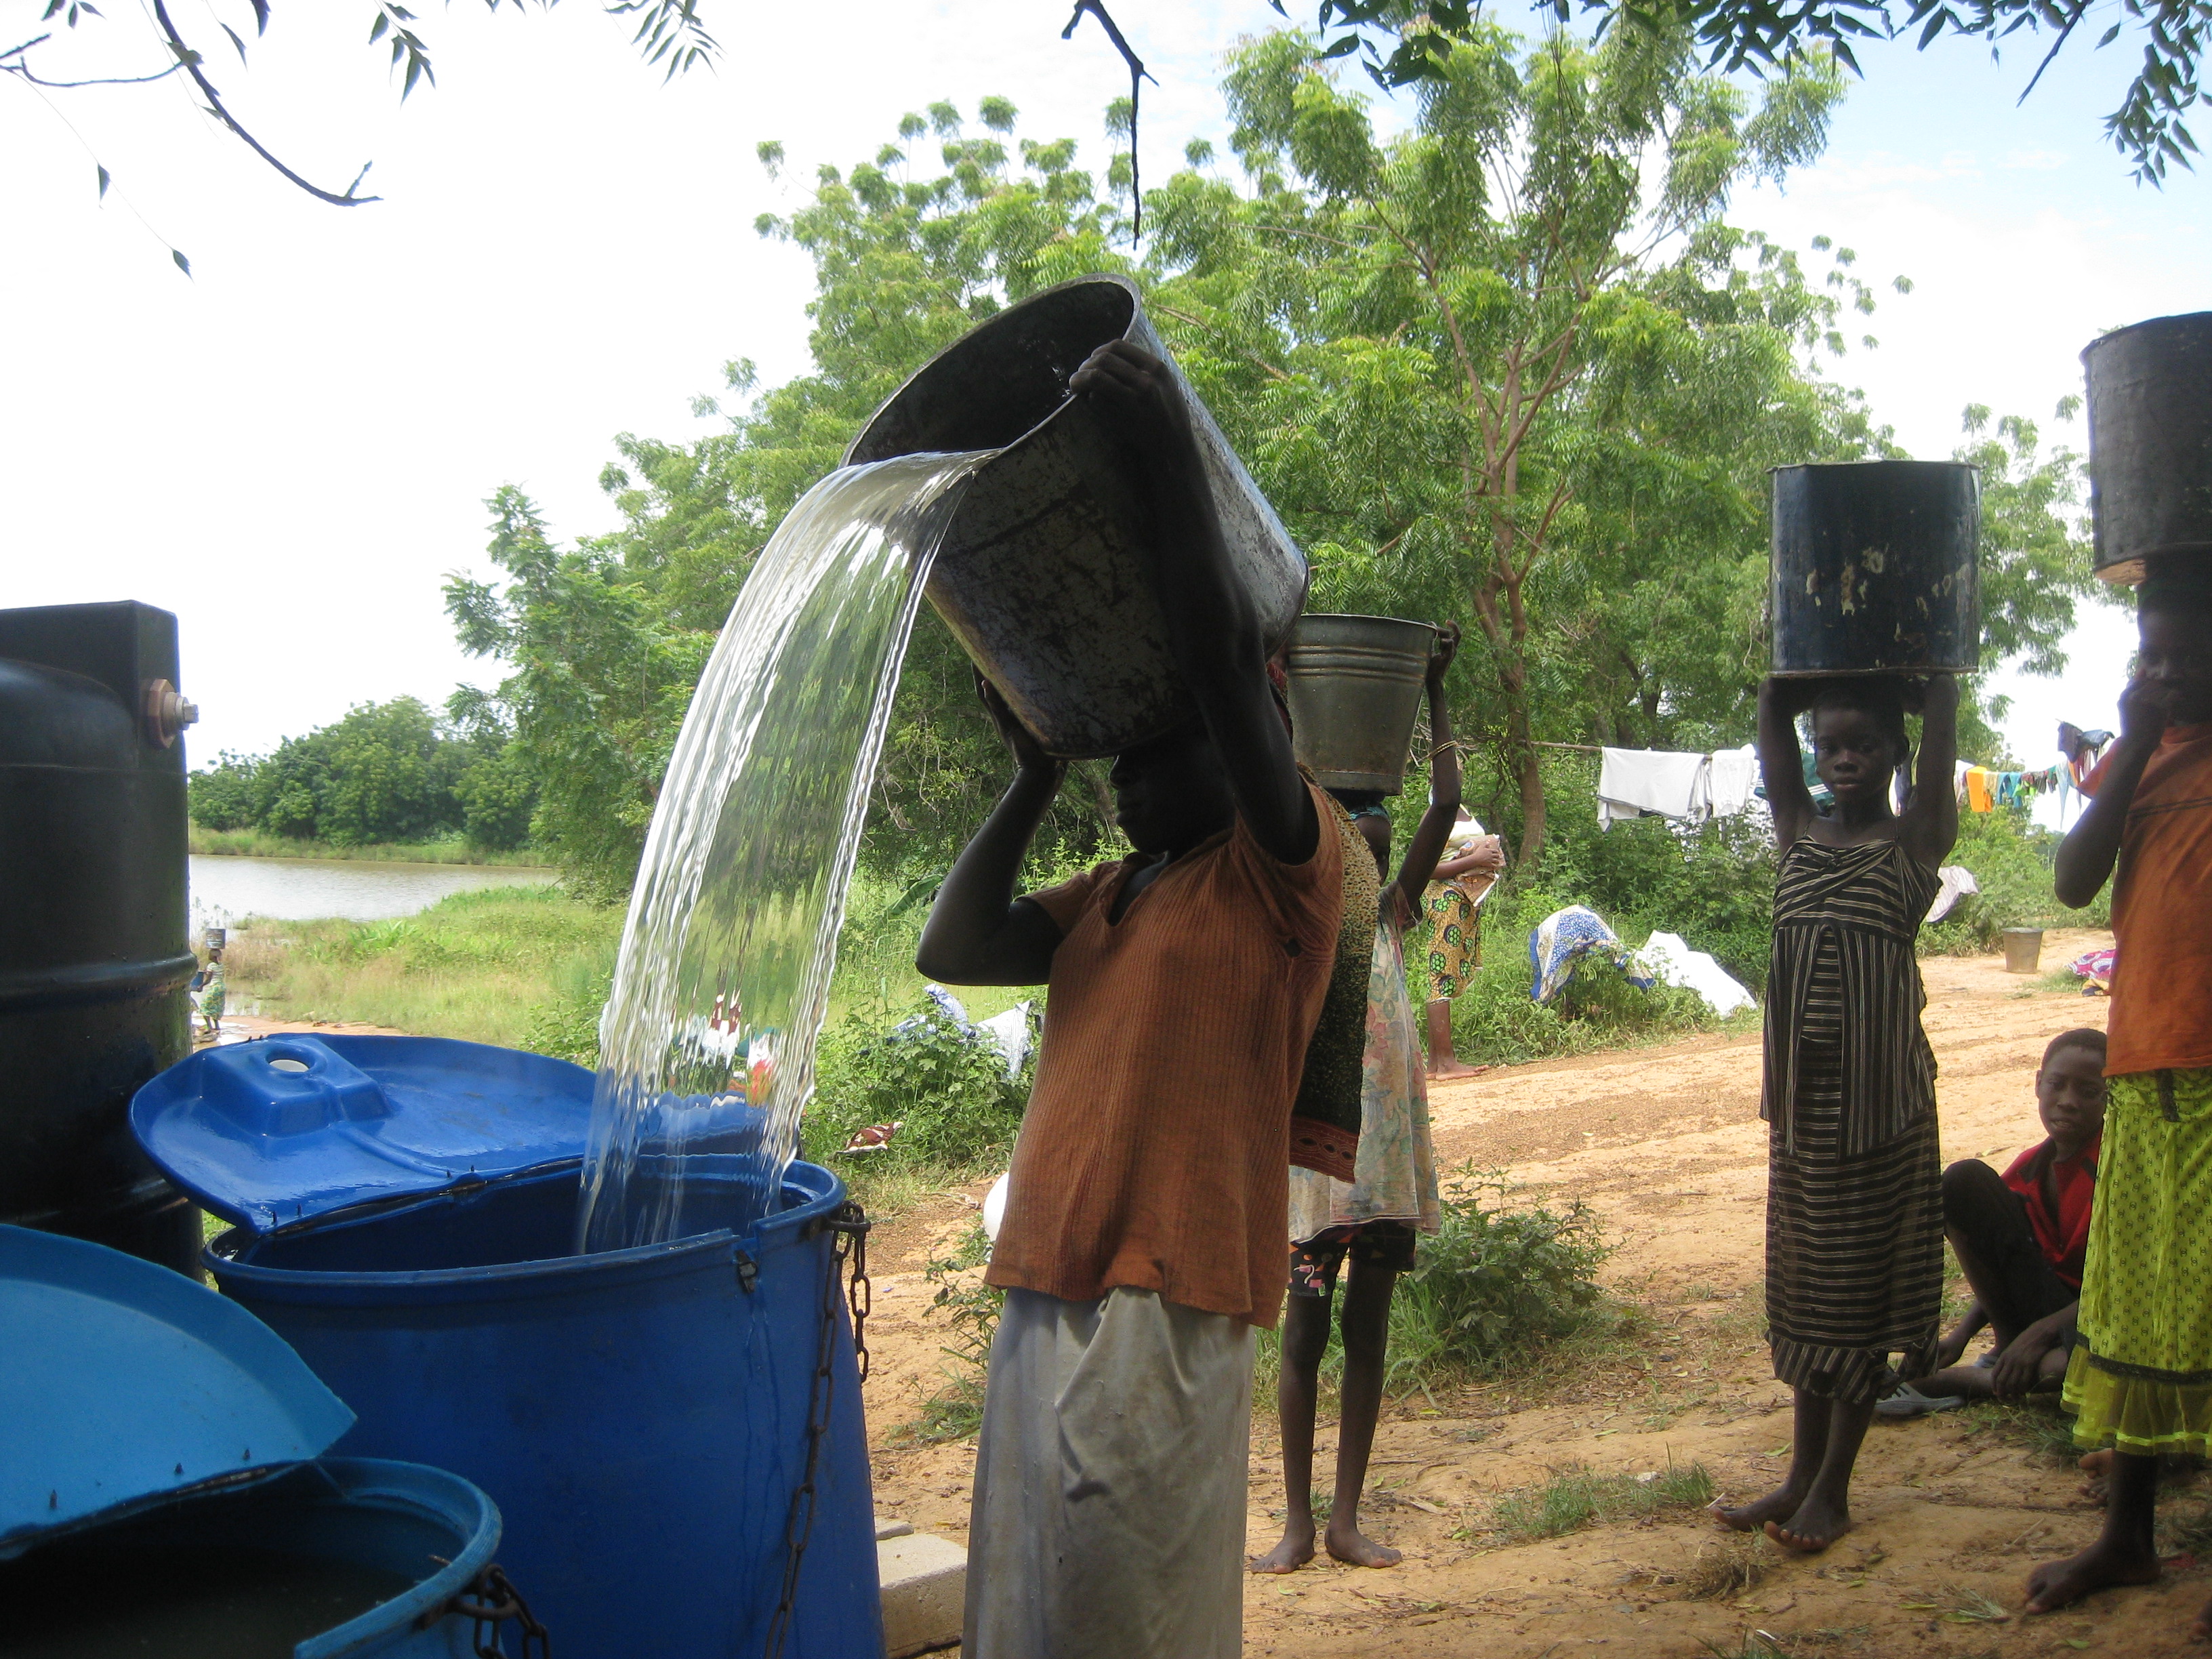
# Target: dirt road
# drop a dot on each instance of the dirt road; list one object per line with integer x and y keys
{"x": 1666, "y": 1142}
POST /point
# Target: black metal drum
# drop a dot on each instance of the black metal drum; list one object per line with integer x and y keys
{"x": 1874, "y": 568}
{"x": 93, "y": 962}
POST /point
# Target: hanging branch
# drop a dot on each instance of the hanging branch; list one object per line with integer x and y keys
{"x": 21, "y": 68}
{"x": 190, "y": 61}
{"x": 1138, "y": 74}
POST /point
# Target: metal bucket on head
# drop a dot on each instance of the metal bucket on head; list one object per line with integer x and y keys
{"x": 1874, "y": 568}
{"x": 1041, "y": 576}
{"x": 2150, "y": 443}
{"x": 1355, "y": 689}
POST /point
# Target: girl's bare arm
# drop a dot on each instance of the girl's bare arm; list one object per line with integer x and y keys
{"x": 1932, "y": 820}
{"x": 1781, "y": 765}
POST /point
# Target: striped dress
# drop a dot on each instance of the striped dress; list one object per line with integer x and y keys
{"x": 1855, "y": 1196}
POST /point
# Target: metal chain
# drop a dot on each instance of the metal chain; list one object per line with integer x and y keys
{"x": 488, "y": 1602}
{"x": 848, "y": 1226}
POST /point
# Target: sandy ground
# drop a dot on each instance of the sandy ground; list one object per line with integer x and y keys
{"x": 1666, "y": 1142}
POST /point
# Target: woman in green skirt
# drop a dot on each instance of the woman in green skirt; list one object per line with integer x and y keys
{"x": 2140, "y": 1379}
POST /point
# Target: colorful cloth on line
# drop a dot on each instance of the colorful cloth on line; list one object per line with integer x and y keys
{"x": 1854, "y": 1184}
{"x": 1394, "y": 1173}
{"x": 1562, "y": 940}
{"x": 2141, "y": 1377}
{"x": 1455, "y": 940}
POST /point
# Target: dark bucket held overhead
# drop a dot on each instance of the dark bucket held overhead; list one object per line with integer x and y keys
{"x": 2150, "y": 443}
{"x": 1355, "y": 690}
{"x": 1874, "y": 568}
{"x": 1039, "y": 576}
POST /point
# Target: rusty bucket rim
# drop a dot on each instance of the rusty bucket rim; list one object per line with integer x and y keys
{"x": 1872, "y": 460}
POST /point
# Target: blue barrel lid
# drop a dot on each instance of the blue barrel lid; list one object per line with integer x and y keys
{"x": 285, "y": 1128}
{"x": 126, "y": 1384}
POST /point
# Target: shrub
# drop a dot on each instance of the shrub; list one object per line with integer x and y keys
{"x": 1493, "y": 1287}
{"x": 2011, "y": 858}
{"x": 946, "y": 1084}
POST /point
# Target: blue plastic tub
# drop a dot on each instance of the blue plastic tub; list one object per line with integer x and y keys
{"x": 368, "y": 1555}
{"x": 161, "y": 1491}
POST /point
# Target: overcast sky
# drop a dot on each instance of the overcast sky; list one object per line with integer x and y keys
{"x": 292, "y": 448}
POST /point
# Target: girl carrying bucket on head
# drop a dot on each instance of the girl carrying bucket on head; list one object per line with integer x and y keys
{"x": 1373, "y": 1219}
{"x": 1855, "y": 1185}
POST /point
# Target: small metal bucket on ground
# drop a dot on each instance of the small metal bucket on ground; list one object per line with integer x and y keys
{"x": 2023, "y": 949}
{"x": 1041, "y": 575}
{"x": 1355, "y": 690}
{"x": 2150, "y": 443}
{"x": 1874, "y": 568}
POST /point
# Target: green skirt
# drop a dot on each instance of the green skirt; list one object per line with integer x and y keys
{"x": 2141, "y": 1377}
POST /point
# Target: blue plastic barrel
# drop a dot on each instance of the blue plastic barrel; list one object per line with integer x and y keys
{"x": 641, "y": 1417}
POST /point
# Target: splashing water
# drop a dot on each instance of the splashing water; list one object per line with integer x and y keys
{"x": 707, "y": 1045}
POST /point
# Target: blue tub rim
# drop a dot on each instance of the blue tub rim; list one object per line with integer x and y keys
{"x": 390, "y": 1485}
{"x": 811, "y": 1195}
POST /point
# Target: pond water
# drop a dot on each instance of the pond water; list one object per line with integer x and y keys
{"x": 226, "y": 891}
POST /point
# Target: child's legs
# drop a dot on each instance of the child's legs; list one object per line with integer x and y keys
{"x": 1367, "y": 1325}
{"x": 1305, "y": 1340}
{"x": 1988, "y": 1227}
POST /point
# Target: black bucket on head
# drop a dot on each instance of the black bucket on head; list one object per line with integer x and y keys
{"x": 2150, "y": 443}
{"x": 1874, "y": 568}
{"x": 1041, "y": 574}
{"x": 94, "y": 961}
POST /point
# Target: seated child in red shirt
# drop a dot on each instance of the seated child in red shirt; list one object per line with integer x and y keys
{"x": 2020, "y": 1238}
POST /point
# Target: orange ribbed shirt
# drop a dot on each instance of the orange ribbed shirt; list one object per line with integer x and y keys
{"x": 2161, "y": 1016}
{"x": 1155, "y": 1151}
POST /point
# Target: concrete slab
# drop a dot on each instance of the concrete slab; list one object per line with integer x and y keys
{"x": 925, "y": 1581}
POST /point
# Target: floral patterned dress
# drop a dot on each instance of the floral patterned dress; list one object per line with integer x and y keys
{"x": 1395, "y": 1178}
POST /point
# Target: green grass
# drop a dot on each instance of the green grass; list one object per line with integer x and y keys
{"x": 260, "y": 844}
{"x": 1578, "y": 1498}
{"x": 499, "y": 964}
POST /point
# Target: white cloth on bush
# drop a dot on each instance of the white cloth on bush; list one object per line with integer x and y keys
{"x": 1631, "y": 783}
{"x": 1110, "y": 1482}
{"x": 1010, "y": 1031}
{"x": 1672, "y": 962}
{"x": 1563, "y": 939}
{"x": 1957, "y": 882}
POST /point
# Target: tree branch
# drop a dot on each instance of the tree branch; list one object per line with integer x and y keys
{"x": 189, "y": 61}
{"x": 1137, "y": 74}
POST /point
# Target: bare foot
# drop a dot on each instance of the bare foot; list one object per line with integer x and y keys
{"x": 2096, "y": 1462}
{"x": 1817, "y": 1524}
{"x": 1457, "y": 1068}
{"x": 2056, "y": 1584}
{"x": 1293, "y": 1552}
{"x": 2200, "y": 1628}
{"x": 1353, "y": 1549}
{"x": 1779, "y": 1504}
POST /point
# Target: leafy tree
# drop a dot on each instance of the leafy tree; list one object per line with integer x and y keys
{"x": 1403, "y": 44}
{"x": 385, "y": 772}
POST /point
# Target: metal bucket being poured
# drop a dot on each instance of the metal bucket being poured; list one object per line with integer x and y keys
{"x": 2150, "y": 443}
{"x": 1041, "y": 576}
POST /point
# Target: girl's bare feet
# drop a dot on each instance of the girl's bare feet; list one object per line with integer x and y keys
{"x": 1293, "y": 1552}
{"x": 2103, "y": 1566}
{"x": 1455, "y": 1069}
{"x": 1354, "y": 1549}
{"x": 1777, "y": 1505}
{"x": 1817, "y": 1524}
